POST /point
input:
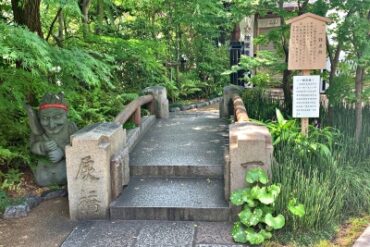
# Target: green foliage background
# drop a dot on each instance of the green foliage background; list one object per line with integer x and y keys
{"x": 131, "y": 47}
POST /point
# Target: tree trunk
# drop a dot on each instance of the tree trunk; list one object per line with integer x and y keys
{"x": 100, "y": 10}
{"x": 85, "y": 6}
{"x": 358, "y": 90}
{"x": 286, "y": 89}
{"x": 360, "y": 76}
{"x": 27, "y": 13}
{"x": 61, "y": 27}
{"x": 235, "y": 35}
{"x": 286, "y": 73}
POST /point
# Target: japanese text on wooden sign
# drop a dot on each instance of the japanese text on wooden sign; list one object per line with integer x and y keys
{"x": 307, "y": 45}
{"x": 306, "y": 96}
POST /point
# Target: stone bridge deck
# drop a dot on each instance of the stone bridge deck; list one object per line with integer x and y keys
{"x": 177, "y": 171}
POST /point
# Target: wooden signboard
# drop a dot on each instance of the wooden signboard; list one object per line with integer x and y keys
{"x": 307, "y": 44}
{"x": 307, "y": 51}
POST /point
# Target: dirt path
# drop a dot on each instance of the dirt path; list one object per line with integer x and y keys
{"x": 46, "y": 225}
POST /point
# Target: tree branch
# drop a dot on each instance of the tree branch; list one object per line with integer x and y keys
{"x": 53, "y": 22}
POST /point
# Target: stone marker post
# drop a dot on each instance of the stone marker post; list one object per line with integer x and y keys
{"x": 89, "y": 170}
{"x": 250, "y": 146}
{"x": 161, "y": 108}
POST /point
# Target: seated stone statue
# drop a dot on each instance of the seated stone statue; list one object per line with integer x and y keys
{"x": 50, "y": 133}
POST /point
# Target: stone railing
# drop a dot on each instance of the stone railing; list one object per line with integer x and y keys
{"x": 98, "y": 157}
{"x": 240, "y": 113}
{"x": 250, "y": 144}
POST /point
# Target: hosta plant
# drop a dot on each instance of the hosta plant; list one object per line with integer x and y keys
{"x": 258, "y": 218}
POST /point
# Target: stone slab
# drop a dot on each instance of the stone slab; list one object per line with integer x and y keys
{"x": 153, "y": 233}
{"x": 171, "y": 199}
{"x": 210, "y": 171}
{"x": 364, "y": 239}
{"x": 186, "y": 139}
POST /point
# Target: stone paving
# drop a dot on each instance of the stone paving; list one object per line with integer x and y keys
{"x": 151, "y": 234}
{"x": 364, "y": 239}
{"x": 195, "y": 140}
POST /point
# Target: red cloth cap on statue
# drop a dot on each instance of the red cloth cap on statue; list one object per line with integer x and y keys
{"x": 48, "y": 106}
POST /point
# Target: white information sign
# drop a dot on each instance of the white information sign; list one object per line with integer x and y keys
{"x": 306, "y": 96}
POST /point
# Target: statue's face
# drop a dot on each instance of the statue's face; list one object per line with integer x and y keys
{"x": 53, "y": 120}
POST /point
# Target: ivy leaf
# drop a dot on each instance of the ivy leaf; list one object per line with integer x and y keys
{"x": 238, "y": 233}
{"x": 236, "y": 197}
{"x": 296, "y": 208}
{"x": 255, "y": 237}
{"x": 275, "y": 222}
{"x": 256, "y": 175}
{"x": 249, "y": 218}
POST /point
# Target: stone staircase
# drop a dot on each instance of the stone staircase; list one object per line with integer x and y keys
{"x": 177, "y": 172}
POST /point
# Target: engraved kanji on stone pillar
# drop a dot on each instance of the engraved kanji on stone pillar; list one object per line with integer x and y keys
{"x": 89, "y": 170}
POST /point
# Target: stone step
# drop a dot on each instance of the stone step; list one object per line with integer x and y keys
{"x": 172, "y": 199}
{"x": 187, "y": 145}
{"x": 192, "y": 171}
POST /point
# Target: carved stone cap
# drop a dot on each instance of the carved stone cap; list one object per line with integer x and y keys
{"x": 308, "y": 15}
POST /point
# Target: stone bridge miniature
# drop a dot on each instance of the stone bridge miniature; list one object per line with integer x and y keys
{"x": 178, "y": 166}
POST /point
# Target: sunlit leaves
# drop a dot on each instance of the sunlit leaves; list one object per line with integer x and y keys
{"x": 255, "y": 175}
{"x": 275, "y": 222}
{"x": 296, "y": 208}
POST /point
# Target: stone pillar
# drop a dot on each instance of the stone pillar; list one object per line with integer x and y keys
{"x": 161, "y": 102}
{"x": 250, "y": 146}
{"x": 226, "y": 105}
{"x": 88, "y": 160}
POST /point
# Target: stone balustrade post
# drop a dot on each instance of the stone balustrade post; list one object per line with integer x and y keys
{"x": 161, "y": 107}
{"x": 250, "y": 146}
{"x": 93, "y": 179}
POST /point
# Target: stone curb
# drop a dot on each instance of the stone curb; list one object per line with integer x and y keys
{"x": 197, "y": 105}
{"x": 30, "y": 202}
{"x": 364, "y": 239}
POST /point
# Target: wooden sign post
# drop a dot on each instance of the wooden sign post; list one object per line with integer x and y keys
{"x": 307, "y": 52}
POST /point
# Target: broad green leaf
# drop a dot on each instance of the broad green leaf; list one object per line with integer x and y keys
{"x": 238, "y": 233}
{"x": 255, "y": 238}
{"x": 267, "y": 209}
{"x": 256, "y": 175}
{"x": 296, "y": 208}
{"x": 248, "y": 198}
{"x": 268, "y": 195}
{"x": 275, "y": 222}
{"x": 266, "y": 234}
{"x": 251, "y": 218}
{"x": 236, "y": 197}
{"x": 245, "y": 215}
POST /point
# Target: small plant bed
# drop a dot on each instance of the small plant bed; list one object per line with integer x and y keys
{"x": 19, "y": 194}
{"x": 345, "y": 235}
{"x": 327, "y": 171}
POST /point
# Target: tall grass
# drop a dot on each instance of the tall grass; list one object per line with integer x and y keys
{"x": 331, "y": 188}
